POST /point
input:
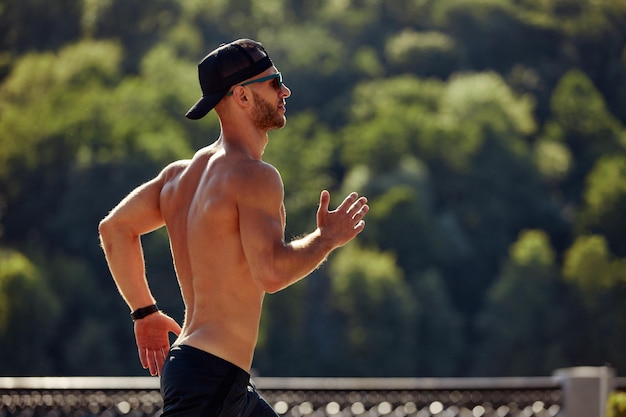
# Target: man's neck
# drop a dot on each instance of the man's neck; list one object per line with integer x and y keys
{"x": 251, "y": 143}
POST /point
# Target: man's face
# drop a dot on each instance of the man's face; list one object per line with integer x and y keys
{"x": 267, "y": 115}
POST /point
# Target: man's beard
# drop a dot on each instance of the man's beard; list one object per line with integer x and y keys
{"x": 266, "y": 116}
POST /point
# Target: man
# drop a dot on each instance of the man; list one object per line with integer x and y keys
{"x": 225, "y": 218}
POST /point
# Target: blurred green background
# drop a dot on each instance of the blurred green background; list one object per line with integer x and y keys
{"x": 488, "y": 135}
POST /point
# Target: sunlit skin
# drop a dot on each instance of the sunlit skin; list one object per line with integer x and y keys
{"x": 225, "y": 217}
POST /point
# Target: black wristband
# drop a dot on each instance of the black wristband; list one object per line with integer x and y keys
{"x": 143, "y": 312}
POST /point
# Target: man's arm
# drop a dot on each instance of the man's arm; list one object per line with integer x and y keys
{"x": 274, "y": 263}
{"x": 120, "y": 236}
{"x": 120, "y": 233}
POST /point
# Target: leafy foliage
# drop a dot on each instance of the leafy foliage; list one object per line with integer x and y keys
{"x": 617, "y": 405}
{"x": 529, "y": 294}
{"x": 488, "y": 136}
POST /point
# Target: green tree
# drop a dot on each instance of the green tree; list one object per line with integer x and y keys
{"x": 87, "y": 322}
{"x": 38, "y": 25}
{"x": 605, "y": 202}
{"x": 51, "y": 108}
{"x": 65, "y": 115}
{"x": 523, "y": 323}
{"x": 375, "y": 315}
{"x": 401, "y": 218}
{"x": 519, "y": 127}
{"x": 289, "y": 343}
{"x": 28, "y": 314}
{"x": 440, "y": 349}
{"x": 136, "y": 25}
{"x": 427, "y": 53}
{"x": 488, "y": 181}
{"x": 490, "y": 33}
{"x": 581, "y": 120}
{"x": 390, "y": 118}
{"x": 591, "y": 267}
{"x": 597, "y": 275}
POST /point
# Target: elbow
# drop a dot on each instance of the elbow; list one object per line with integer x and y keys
{"x": 105, "y": 226}
{"x": 277, "y": 281}
{"x": 274, "y": 272}
{"x": 108, "y": 230}
{"x": 273, "y": 288}
{"x": 104, "y": 230}
{"x": 270, "y": 281}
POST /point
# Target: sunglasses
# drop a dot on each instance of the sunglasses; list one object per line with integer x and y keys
{"x": 278, "y": 76}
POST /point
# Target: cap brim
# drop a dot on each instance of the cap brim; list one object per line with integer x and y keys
{"x": 204, "y": 105}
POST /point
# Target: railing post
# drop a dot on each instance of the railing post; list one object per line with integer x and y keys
{"x": 585, "y": 390}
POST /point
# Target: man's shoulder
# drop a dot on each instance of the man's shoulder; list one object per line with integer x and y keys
{"x": 255, "y": 171}
{"x": 201, "y": 157}
{"x": 178, "y": 165}
{"x": 174, "y": 169}
{"x": 251, "y": 180}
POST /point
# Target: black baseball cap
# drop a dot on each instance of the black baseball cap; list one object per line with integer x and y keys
{"x": 224, "y": 67}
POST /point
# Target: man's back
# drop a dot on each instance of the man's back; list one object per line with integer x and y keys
{"x": 199, "y": 203}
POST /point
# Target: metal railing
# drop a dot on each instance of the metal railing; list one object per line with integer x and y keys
{"x": 331, "y": 397}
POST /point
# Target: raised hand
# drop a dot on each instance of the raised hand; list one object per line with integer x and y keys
{"x": 344, "y": 223}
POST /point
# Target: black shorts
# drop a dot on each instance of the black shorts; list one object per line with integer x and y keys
{"x": 195, "y": 383}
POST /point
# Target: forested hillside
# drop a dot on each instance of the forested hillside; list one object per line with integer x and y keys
{"x": 488, "y": 136}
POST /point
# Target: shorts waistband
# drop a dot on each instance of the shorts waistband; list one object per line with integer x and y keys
{"x": 208, "y": 360}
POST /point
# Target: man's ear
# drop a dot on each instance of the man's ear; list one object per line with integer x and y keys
{"x": 241, "y": 95}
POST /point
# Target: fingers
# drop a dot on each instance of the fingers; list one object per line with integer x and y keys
{"x": 159, "y": 358}
{"x": 351, "y": 204}
{"x": 344, "y": 223}
{"x": 356, "y": 207}
{"x": 357, "y": 217}
{"x": 348, "y": 202}
{"x": 153, "y": 360}
{"x": 152, "y": 365}
{"x": 143, "y": 357}
{"x": 324, "y": 200}
{"x": 322, "y": 210}
{"x": 152, "y": 336}
{"x": 359, "y": 208}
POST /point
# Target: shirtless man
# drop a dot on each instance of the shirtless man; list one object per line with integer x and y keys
{"x": 225, "y": 218}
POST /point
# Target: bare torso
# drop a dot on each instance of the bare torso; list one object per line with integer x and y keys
{"x": 225, "y": 216}
{"x": 223, "y": 302}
